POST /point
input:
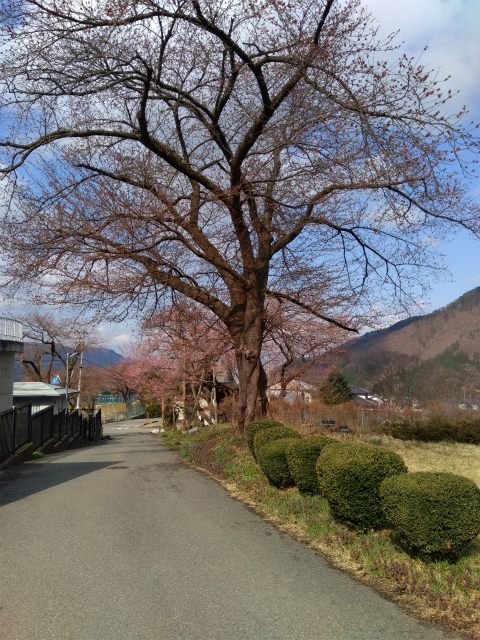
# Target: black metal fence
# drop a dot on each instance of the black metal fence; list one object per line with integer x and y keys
{"x": 18, "y": 426}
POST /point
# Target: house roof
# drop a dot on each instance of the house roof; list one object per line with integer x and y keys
{"x": 40, "y": 389}
{"x": 360, "y": 391}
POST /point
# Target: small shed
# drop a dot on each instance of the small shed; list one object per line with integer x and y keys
{"x": 41, "y": 395}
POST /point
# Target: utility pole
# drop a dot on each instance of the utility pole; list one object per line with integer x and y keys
{"x": 67, "y": 377}
{"x": 80, "y": 372}
{"x": 67, "y": 381}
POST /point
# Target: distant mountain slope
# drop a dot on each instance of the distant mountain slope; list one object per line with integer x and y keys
{"x": 102, "y": 357}
{"x": 452, "y": 329}
{"x": 99, "y": 357}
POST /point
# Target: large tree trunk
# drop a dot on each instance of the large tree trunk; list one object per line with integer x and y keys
{"x": 247, "y": 326}
{"x": 262, "y": 391}
{"x": 249, "y": 366}
{"x": 248, "y": 343}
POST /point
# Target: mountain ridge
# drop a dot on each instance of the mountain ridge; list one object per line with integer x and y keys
{"x": 453, "y": 329}
{"x": 101, "y": 357}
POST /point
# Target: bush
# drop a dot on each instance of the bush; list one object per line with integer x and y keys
{"x": 434, "y": 514}
{"x": 269, "y": 435}
{"x": 272, "y": 458}
{"x": 350, "y": 475}
{"x": 302, "y": 459}
{"x": 254, "y": 427}
{"x": 436, "y": 428}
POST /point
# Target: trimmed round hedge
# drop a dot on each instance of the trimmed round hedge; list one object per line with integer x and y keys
{"x": 302, "y": 458}
{"x": 272, "y": 458}
{"x": 269, "y": 435}
{"x": 433, "y": 514}
{"x": 252, "y": 428}
{"x": 350, "y": 475}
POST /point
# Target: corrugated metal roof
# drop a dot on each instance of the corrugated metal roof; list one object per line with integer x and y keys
{"x": 39, "y": 389}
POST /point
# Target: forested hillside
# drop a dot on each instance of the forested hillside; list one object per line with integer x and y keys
{"x": 428, "y": 358}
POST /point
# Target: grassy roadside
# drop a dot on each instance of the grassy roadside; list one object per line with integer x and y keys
{"x": 449, "y": 593}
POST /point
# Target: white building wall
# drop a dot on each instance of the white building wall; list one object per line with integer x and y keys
{"x": 7, "y": 359}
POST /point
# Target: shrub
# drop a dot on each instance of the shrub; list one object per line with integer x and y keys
{"x": 434, "y": 514}
{"x": 254, "y": 427}
{"x": 302, "y": 458}
{"x": 350, "y": 475}
{"x": 269, "y": 435}
{"x": 272, "y": 458}
{"x": 436, "y": 428}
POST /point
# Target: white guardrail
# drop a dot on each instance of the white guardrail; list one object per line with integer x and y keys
{"x": 11, "y": 330}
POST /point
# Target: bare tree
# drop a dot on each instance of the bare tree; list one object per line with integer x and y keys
{"x": 295, "y": 340}
{"x": 49, "y": 337}
{"x": 396, "y": 375}
{"x": 228, "y": 151}
{"x": 118, "y": 379}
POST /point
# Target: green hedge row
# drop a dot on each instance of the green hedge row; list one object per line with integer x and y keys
{"x": 350, "y": 475}
{"x": 302, "y": 458}
{"x": 431, "y": 514}
{"x": 436, "y": 428}
{"x": 272, "y": 458}
{"x": 265, "y": 436}
{"x": 252, "y": 428}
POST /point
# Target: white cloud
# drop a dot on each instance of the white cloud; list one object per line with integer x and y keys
{"x": 120, "y": 339}
{"x": 450, "y": 30}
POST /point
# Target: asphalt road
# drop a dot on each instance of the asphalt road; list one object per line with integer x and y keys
{"x": 121, "y": 542}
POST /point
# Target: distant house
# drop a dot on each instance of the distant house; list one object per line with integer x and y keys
{"x": 366, "y": 398}
{"x": 41, "y": 395}
{"x": 295, "y": 389}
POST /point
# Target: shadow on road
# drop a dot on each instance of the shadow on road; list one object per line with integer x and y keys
{"x": 20, "y": 482}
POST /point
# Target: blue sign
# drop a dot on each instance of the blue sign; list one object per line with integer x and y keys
{"x": 55, "y": 380}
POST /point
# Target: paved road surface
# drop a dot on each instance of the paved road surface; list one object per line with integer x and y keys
{"x": 120, "y": 542}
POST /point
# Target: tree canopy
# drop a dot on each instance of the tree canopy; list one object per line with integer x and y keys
{"x": 227, "y": 152}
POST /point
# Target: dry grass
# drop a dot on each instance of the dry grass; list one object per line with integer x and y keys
{"x": 461, "y": 459}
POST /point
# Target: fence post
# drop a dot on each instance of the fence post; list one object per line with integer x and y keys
{"x": 14, "y": 430}
{"x": 29, "y": 428}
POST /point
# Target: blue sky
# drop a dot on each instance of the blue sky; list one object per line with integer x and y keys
{"x": 451, "y": 31}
